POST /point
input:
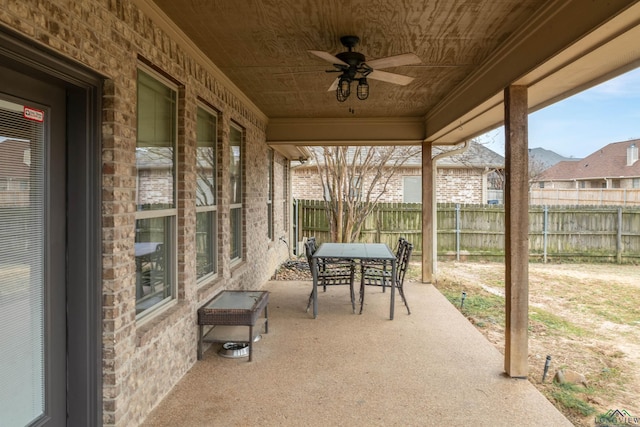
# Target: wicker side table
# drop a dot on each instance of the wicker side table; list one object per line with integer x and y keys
{"x": 229, "y": 310}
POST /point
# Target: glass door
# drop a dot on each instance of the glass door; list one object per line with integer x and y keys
{"x": 32, "y": 260}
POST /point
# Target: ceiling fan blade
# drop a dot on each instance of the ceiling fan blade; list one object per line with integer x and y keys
{"x": 394, "y": 78}
{"x": 328, "y": 57}
{"x": 291, "y": 73}
{"x": 394, "y": 61}
{"x": 334, "y": 85}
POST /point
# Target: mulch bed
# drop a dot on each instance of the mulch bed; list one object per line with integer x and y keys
{"x": 293, "y": 270}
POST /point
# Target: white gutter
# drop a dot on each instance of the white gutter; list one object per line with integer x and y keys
{"x": 434, "y": 214}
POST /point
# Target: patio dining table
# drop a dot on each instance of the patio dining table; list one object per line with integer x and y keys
{"x": 353, "y": 251}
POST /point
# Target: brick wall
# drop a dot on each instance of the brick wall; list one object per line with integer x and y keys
{"x": 453, "y": 185}
{"x": 460, "y": 186}
{"x": 143, "y": 360}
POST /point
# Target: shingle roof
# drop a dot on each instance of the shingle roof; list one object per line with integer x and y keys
{"x": 154, "y": 157}
{"x": 477, "y": 155}
{"x": 608, "y": 162}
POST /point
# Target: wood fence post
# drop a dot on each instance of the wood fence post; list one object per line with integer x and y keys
{"x": 619, "y": 248}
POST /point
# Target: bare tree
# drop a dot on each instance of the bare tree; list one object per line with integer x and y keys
{"x": 536, "y": 167}
{"x": 354, "y": 180}
{"x": 205, "y": 182}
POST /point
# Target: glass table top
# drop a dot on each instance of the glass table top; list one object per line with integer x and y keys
{"x": 236, "y": 300}
{"x": 354, "y": 251}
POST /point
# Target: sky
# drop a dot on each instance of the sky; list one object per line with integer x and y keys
{"x": 585, "y": 122}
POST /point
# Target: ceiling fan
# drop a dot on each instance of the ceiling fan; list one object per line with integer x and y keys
{"x": 353, "y": 66}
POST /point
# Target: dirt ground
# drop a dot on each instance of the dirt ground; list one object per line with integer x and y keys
{"x": 589, "y": 323}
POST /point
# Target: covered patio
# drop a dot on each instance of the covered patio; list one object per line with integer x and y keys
{"x": 476, "y": 66}
{"x": 227, "y": 97}
{"x": 428, "y": 368}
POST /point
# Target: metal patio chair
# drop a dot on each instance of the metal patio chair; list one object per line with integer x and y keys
{"x": 331, "y": 272}
{"x": 378, "y": 272}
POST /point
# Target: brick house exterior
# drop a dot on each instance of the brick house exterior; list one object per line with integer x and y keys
{"x": 143, "y": 359}
{"x": 463, "y": 178}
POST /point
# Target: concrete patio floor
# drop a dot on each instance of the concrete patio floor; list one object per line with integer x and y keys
{"x": 430, "y": 368}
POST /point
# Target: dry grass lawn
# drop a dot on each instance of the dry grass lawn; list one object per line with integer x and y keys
{"x": 585, "y": 316}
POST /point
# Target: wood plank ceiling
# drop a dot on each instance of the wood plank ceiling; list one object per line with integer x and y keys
{"x": 262, "y": 46}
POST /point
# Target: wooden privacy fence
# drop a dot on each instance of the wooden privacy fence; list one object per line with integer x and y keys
{"x": 555, "y": 232}
{"x": 386, "y": 224}
{"x": 585, "y": 196}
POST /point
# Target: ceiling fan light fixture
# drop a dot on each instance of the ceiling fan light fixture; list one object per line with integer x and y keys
{"x": 354, "y": 67}
{"x": 340, "y": 96}
{"x": 344, "y": 89}
{"x": 363, "y": 89}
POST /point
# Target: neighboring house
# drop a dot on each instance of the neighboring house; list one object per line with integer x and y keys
{"x": 614, "y": 166}
{"x": 473, "y": 177}
{"x": 14, "y": 173}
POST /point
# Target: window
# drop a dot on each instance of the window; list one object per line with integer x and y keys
{"x": 285, "y": 196}
{"x": 635, "y": 183}
{"x": 495, "y": 180}
{"x": 355, "y": 189}
{"x": 235, "y": 182}
{"x": 156, "y": 192}
{"x": 270, "y": 197}
{"x": 326, "y": 191}
{"x": 412, "y": 189}
{"x": 206, "y": 192}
